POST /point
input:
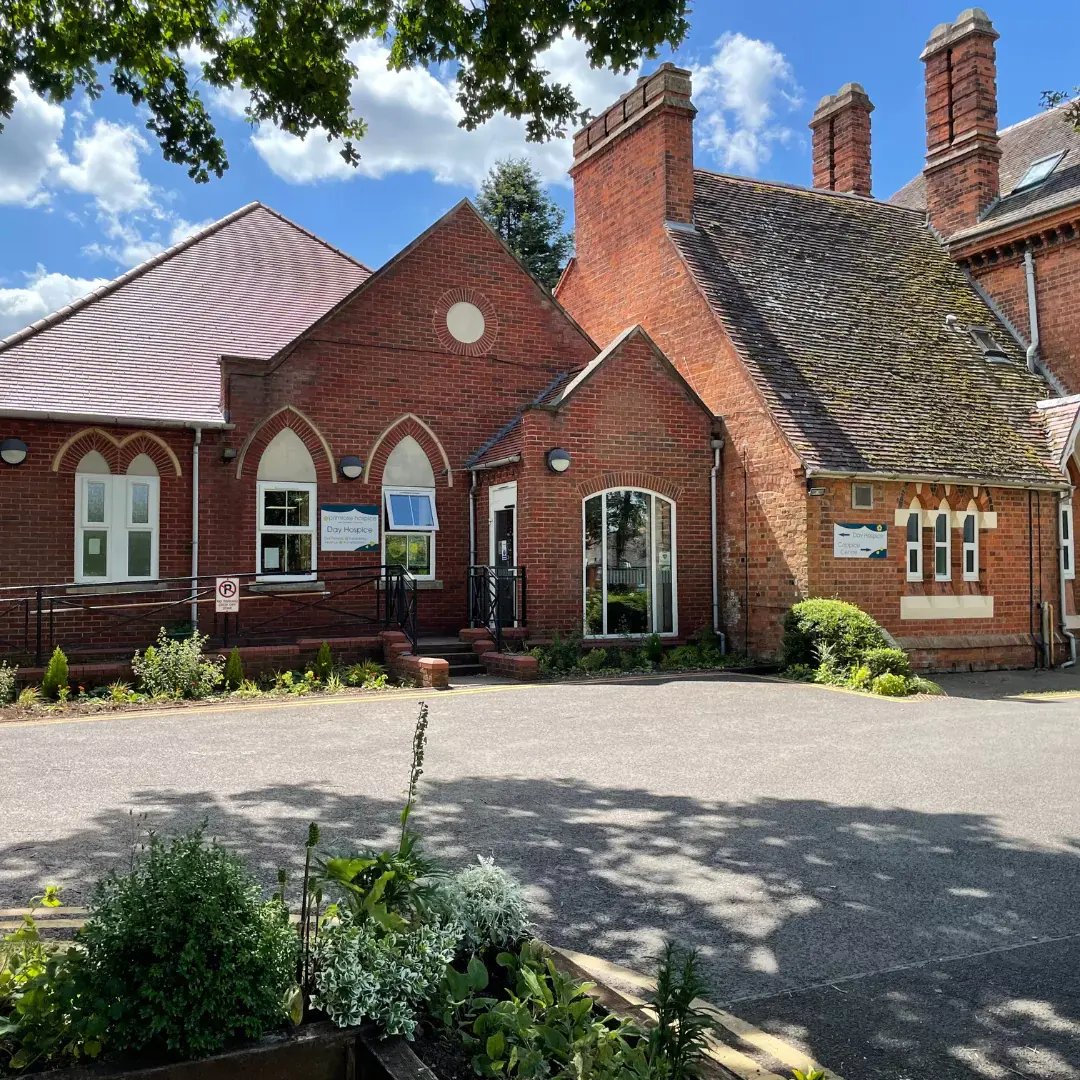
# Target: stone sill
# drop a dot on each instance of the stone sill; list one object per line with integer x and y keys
{"x": 421, "y": 586}
{"x": 269, "y": 588}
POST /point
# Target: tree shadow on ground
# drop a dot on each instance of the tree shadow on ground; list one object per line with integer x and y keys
{"x": 779, "y": 896}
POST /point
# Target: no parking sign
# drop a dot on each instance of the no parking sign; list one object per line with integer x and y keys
{"x": 227, "y": 595}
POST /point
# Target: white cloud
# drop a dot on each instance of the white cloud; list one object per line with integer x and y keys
{"x": 43, "y": 292}
{"x": 742, "y": 93}
{"x": 413, "y": 117}
{"x": 106, "y": 166}
{"x": 137, "y": 239}
{"x": 29, "y": 149}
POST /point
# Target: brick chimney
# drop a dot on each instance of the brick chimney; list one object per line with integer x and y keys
{"x": 962, "y": 151}
{"x": 841, "y": 140}
{"x": 637, "y": 157}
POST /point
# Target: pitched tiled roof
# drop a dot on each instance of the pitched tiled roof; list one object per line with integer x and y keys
{"x": 146, "y": 346}
{"x": 506, "y": 442}
{"x": 838, "y": 304}
{"x": 1062, "y": 419}
{"x": 1022, "y": 144}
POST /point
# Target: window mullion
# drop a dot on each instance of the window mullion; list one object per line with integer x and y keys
{"x": 603, "y": 564}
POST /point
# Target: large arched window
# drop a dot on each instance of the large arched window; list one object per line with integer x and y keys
{"x": 116, "y": 520}
{"x": 285, "y": 540}
{"x": 629, "y": 563}
{"x": 411, "y": 520}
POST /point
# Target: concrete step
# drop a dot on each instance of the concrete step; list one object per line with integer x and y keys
{"x": 458, "y": 671}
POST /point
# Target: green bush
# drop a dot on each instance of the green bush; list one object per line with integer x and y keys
{"x": 916, "y": 684}
{"x": 594, "y": 660}
{"x": 860, "y": 678}
{"x": 183, "y": 954}
{"x": 54, "y": 683}
{"x": 8, "y": 676}
{"x": 324, "y": 662}
{"x": 654, "y": 649}
{"x": 799, "y": 672}
{"x": 845, "y": 629}
{"x": 234, "y": 670}
{"x": 177, "y": 668}
{"x": 487, "y": 903}
{"x": 368, "y": 674}
{"x": 889, "y": 685}
{"x": 683, "y": 656}
{"x": 887, "y": 662}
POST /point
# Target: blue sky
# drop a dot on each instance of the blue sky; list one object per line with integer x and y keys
{"x": 84, "y": 194}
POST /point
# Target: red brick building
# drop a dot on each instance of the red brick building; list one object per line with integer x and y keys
{"x": 892, "y": 437}
{"x": 743, "y": 393}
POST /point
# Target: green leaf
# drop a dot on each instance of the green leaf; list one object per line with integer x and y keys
{"x": 495, "y": 1045}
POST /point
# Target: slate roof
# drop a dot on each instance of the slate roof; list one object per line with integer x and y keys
{"x": 506, "y": 442}
{"x": 838, "y": 305}
{"x": 1021, "y": 145}
{"x": 146, "y": 346}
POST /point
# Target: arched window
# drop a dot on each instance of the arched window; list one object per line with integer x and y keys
{"x": 971, "y": 542}
{"x": 285, "y": 540}
{"x": 410, "y": 517}
{"x": 629, "y": 542}
{"x": 116, "y": 520}
{"x": 914, "y": 542}
{"x": 942, "y": 544}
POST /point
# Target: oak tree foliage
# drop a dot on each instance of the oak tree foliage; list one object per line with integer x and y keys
{"x": 293, "y": 58}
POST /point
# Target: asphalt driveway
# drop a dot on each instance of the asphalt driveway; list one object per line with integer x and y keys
{"x": 890, "y": 885}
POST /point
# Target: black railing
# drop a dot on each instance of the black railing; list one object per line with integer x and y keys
{"x": 113, "y": 618}
{"x": 497, "y": 599}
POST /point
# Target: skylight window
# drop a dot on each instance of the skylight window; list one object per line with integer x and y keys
{"x": 1038, "y": 171}
{"x": 991, "y": 350}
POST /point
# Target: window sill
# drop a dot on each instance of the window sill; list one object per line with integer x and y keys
{"x": 274, "y": 587}
{"x": 422, "y": 584}
{"x": 118, "y": 588}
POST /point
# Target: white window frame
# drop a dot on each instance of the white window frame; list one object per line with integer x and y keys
{"x": 943, "y": 545}
{"x": 263, "y": 486}
{"x": 970, "y": 547}
{"x": 1068, "y": 541}
{"x": 915, "y": 546}
{"x": 855, "y": 504}
{"x": 653, "y": 523}
{"x": 391, "y": 528}
{"x": 117, "y": 525}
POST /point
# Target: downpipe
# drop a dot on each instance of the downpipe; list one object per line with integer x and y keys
{"x": 717, "y": 445}
{"x": 196, "y": 443}
{"x": 1068, "y": 634}
{"x": 1033, "y": 313}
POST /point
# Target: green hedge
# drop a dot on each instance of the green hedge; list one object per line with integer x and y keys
{"x": 845, "y": 630}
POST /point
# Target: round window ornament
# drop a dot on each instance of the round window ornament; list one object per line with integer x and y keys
{"x": 465, "y": 322}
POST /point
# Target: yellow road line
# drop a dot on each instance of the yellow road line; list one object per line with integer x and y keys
{"x": 620, "y": 978}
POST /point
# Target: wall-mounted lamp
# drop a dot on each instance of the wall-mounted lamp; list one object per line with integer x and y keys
{"x": 350, "y": 467}
{"x": 813, "y": 489}
{"x": 228, "y": 453}
{"x": 558, "y": 460}
{"x": 13, "y": 451}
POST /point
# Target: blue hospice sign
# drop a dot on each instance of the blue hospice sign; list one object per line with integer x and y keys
{"x": 349, "y": 527}
{"x": 860, "y": 541}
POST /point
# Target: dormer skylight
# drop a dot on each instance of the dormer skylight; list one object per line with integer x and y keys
{"x": 991, "y": 350}
{"x": 1038, "y": 172}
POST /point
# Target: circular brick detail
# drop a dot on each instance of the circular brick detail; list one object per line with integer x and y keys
{"x": 453, "y": 299}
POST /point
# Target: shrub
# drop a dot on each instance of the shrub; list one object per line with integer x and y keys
{"x": 234, "y": 670}
{"x": 366, "y": 674}
{"x": 594, "y": 660}
{"x": 678, "y": 1039}
{"x": 684, "y": 656}
{"x": 177, "y": 668}
{"x": 799, "y": 672}
{"x": 333, "y": 684}
{"x": 248, "y": 689}
{"x": 654, "y": 649}
{"x": 29, "y": 696}
{"x": 486, "y": 902}
{"x": 889, "y": 685}
{"x": 8, "y": 675}
{"x": 860, "y": 677}
{"x": 121, "y": 694}
{"x": 324, "y": 662}
{"x": 363, "y": 972}
{"x": 184, "y": 954}
{"x": 887, "y": 662}
{"x": 54, "y": 683}
{"x": 916, "y": 684}
{"x": 810, "y": 624}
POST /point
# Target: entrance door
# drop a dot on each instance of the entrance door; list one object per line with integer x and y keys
{"x": 503, "y": 549}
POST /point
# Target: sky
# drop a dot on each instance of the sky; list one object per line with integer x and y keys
{"x": 85, "y": 195}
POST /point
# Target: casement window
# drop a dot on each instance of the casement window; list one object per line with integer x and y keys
{"x": 286, "y": 529}
{"x": 942, "y": 546}
{"x": 862, "y": 496}
{"x": 116, "y": 521}
{"x": 1068, "y": 543}
{"x": 411, "y": 524}
{"x": 914, "y": 546}
{"x": 971, "y": 545}
{"x": 629, "y": 548}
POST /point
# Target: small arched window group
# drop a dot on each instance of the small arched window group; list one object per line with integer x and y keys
{"x": 942, "y": 520}
{"x": 116, "y": 520}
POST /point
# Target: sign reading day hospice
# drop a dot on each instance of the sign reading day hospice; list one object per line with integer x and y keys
{"x": 860, "y": 541}
{"x": 349, "y": 527}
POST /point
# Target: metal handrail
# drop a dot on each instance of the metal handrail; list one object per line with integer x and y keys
{"x": 131, "y": 602}
{"x": 493, "y": 593}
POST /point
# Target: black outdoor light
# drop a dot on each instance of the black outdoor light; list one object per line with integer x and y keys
{"x": 558, "y": 460}
{"x": 228, "y": 453}
{"x": 350, "y": 466}
{"x": 13, "y": 451}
